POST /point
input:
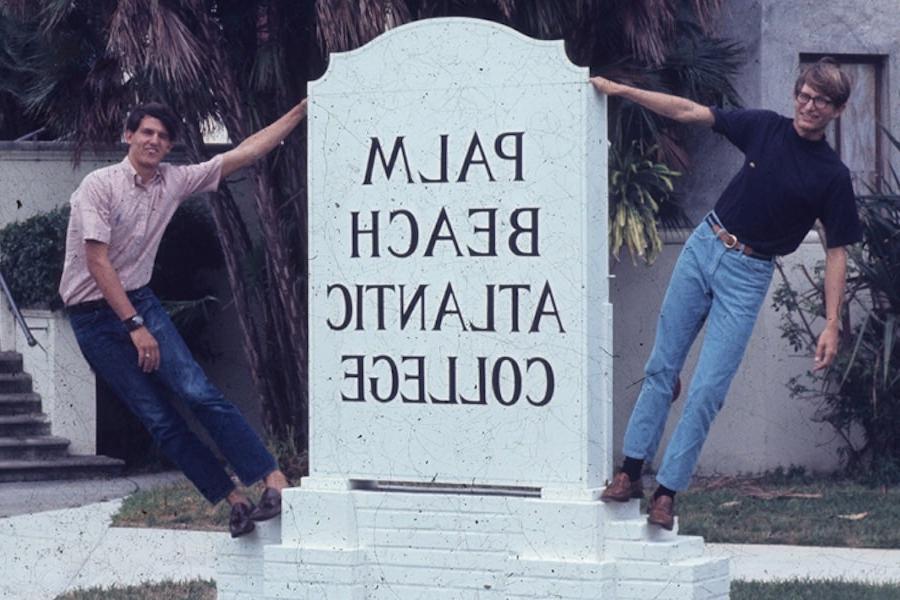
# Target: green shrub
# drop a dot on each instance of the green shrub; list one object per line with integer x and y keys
{"x": 860, "y": 392}
{"x": 31, "y": 258}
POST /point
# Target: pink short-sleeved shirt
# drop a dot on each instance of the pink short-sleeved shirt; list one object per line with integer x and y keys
{"x": 112, "y": 206}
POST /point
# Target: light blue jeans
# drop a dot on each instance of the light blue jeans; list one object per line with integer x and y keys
{"x": 725, "y": 289}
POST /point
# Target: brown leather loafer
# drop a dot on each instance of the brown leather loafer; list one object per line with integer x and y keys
{"x": 622, "y": 489}
{"x": 269, "y": 505}
{"x": 661, "y": 512}
{"x": 239, "y": 522}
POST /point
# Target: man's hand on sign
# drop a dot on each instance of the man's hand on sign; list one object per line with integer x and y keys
{"x": 604, "y": 86}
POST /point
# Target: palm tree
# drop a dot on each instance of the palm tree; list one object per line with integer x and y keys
{"x": 77, "y": 65}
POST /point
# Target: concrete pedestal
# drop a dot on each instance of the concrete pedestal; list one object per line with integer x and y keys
{"x": 370, "y": 544}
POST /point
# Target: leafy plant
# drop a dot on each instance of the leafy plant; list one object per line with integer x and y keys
{"x": 860, "y": 393}
{"x": 31, "y": 258}
{"x": 638, "y": 185}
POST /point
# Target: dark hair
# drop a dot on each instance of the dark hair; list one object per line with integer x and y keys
{"x": 825, "y": 76}
{"x": 157, "y": 111}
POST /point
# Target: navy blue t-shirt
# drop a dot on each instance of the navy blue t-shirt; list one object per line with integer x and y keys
{"x": 784, "y": 185}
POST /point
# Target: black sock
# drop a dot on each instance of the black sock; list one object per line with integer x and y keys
{"x": 633, "y": 467}
{"x": 663, "y": 491}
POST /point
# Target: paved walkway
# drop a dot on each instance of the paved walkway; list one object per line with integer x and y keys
{"x": 50, "y": 552}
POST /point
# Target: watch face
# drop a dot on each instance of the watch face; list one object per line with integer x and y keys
{"x": 134, "y": 322}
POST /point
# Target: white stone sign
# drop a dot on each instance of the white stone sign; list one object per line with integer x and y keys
{"x": 459, "y": 325}
{"x": 459, "y": 334}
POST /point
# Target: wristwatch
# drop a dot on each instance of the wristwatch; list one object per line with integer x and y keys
{"x": 132, "y": 323}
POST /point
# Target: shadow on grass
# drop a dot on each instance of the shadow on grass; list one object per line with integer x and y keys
{"x": 177, "y": 506}
{"x": 740, "y": 590}
{"x": 812, "y": 590}
{"x": 809, "y": 512}
{"x": 188, "y": 590}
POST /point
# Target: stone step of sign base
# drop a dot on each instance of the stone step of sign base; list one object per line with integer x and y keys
{"x": 680, "y": 548}
{"x": 240, "y": 564}
{"x": 287, "y": 571}
{"x": 638, "y": 529}
{"x": 443, "y": 547}
{"x": 694, "y": 578}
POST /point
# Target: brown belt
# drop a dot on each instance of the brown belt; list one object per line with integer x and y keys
{"x": 730, "y": 241}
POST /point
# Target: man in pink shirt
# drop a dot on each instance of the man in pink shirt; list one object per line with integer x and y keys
{"x": 118, "y": 216}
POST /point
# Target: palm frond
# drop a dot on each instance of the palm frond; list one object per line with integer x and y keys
{"x": 649, "y": 26}
{"x": 702, "y": 67}
{"x": 346, "y": 24}
{"x": 706, "y": 12}
{"x": 53, "y": 13}
{"x": 546, "y": 20}
{"x": 15, "y": 8}
{"x": 492, "y": 10}
{"x": 157, "y": 39}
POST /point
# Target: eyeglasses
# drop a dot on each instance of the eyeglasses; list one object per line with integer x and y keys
{"x": 818, "y": 101}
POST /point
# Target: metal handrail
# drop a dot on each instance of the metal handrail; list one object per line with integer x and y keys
{"x": 17, "y": 314}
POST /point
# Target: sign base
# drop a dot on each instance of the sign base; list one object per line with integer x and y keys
{"x": 368, "y": 544}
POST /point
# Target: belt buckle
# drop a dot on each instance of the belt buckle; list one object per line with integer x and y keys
{"x": 730, "y": 240}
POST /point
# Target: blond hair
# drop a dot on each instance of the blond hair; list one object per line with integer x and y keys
{"x": 825, "y": 76}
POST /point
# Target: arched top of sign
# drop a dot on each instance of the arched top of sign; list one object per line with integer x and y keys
{"x": 461, "y": 52}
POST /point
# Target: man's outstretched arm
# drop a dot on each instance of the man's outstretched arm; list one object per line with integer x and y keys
{"x": 674, "y": 107}
{"x": 263, "y": 141}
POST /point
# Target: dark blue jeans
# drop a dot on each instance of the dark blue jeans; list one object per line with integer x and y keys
{"x": 108, "y": 349}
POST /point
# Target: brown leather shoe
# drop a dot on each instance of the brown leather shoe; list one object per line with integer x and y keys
{"x": 622, "y": 489}
{"x": 661, "y": 511}
{"x": 269, "y": 505}
{"x": 239, "y": 522}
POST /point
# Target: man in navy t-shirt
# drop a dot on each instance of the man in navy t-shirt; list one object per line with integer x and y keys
{"x": 790, "y": 178}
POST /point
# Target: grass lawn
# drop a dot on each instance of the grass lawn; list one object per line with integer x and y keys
{"x": 811, "y": 512}
{"x": 812, "y": 590}
{"x": 740, "y": 590}
{"x": 190, "y": 590}
{"x": 177, "y": 506}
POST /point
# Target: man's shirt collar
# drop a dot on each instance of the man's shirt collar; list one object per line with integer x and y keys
{"x": 135, "y": 177}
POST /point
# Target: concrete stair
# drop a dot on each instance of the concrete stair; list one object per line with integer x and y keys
{"x": 28, "y": 452}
